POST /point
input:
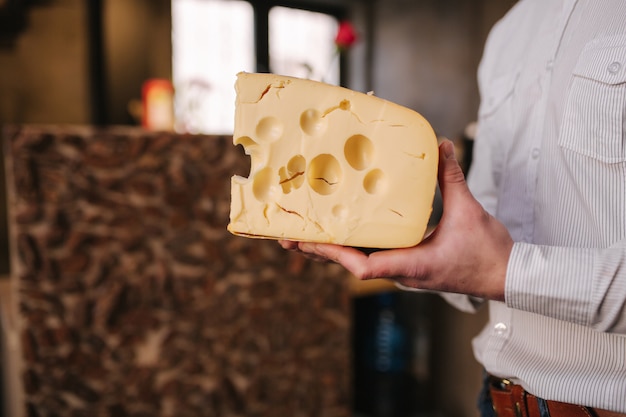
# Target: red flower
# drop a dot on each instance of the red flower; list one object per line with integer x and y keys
{"x": 346, "y": 35}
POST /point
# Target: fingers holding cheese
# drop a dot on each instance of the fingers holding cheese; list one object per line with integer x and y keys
{"x": 467, "y": 253}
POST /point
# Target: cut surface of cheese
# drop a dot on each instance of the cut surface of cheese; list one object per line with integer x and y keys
{"x": 329, "y": 164}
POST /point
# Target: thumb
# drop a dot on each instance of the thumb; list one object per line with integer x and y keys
{"x": 451, "y": 177}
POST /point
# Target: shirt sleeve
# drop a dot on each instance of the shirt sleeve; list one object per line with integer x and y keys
{"x": 555, "y": 282}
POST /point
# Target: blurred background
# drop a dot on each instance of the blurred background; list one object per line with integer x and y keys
{"x": 97, "y": 63}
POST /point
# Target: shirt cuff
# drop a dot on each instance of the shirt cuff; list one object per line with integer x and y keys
{"x": 462, "y": 302}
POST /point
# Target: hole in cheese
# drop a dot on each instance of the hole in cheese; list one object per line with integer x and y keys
{"x": 247, "y": 142}
{"x": 359, "y": 152}
{"x": 263, "y": 186}
{"x": 292, "y": 177}
{"x": 269, "y": 129}
{"x": 375, "y": 182}
{"x": 324, "y": 174}
{"x": 312, "y": 123}
{"x": 340, "y": 211}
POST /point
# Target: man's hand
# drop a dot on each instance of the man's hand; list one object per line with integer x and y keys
{"x": 467, "y": 253}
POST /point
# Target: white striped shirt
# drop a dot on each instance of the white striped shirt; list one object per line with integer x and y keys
{"x": 550, "y": 163}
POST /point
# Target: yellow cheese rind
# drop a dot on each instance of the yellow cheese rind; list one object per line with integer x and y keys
{"x": 328, "y": 164}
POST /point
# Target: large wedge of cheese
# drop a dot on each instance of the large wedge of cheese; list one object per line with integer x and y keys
{"x": 329, "y": 164}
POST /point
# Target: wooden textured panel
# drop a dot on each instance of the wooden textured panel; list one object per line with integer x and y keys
{"x": 133, "y": 298}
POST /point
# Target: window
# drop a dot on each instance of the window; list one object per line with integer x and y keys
{"x": 213, "y": 40}
{"x": 301, "y": 44}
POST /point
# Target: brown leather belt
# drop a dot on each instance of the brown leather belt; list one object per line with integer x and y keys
{"x": 511, "y": 400}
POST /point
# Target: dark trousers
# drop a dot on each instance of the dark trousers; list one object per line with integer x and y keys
{"x": 484, "y": 403}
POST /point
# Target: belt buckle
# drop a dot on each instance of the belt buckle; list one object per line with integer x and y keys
{"x": 505, "y": 385}
{"x": 501, "y": 384}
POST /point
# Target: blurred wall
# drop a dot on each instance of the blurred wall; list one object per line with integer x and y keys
{"x": 44, "y": 73}
{"x": 426, "y": 53}
{"x": 137, "y": 42}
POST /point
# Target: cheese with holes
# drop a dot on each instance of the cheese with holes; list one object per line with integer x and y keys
{"x": 328, "y": 164}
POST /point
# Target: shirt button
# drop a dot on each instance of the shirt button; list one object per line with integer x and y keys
{"x": 614, "y": 67}
{"x": 500, "y": 328}
{"x": 549, "y": 64}
{"x": 535, "y": 153}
